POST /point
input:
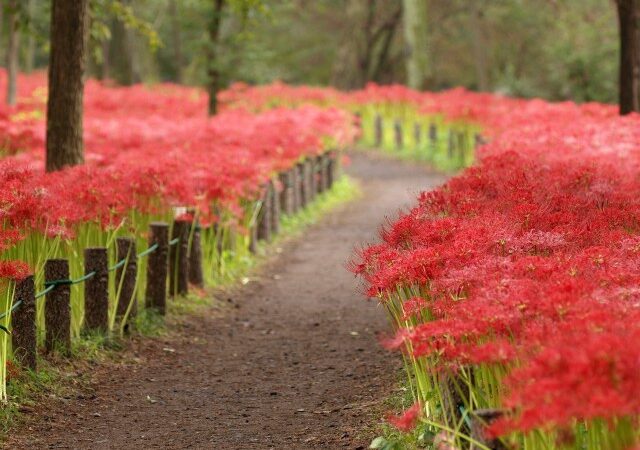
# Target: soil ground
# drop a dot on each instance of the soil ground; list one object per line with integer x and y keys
{"x": 295, "y": 363}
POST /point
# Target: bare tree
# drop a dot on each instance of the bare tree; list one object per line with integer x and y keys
{"x": 66, "y": 83}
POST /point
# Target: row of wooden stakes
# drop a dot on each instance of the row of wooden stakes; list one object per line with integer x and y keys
{"x": 456, "y": 143}
{"x": 178, "y": 259}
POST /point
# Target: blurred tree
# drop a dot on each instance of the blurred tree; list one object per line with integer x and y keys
{"x": 12, "y": 12}
{"x": 416, "y": 42}
{"x": 629, "y": 90}
{"x": 557, "y": 49}
{"x": 64, "y": 146}
{"x": 213, "y": 69}
{"x": 367, "y": 43}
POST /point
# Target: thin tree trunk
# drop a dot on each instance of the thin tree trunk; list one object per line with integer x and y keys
{"x": 629, "y": 56}
{"x": 30, "y": 55}
{"x": 416, "y": 41}
{"x": 213, "y": 64}
{"x": 66, "y": 83}
{"x": 104, "y": 74}
{"x": 479, "y": 47}
{"x": 177, "y": 39}
{"x": 12, "y": 52}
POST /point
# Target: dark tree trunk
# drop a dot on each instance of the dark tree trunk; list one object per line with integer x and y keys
{"x": 66, "y": 84}
{"x": 30, "y": 53}
{"x": 213, "y": 64}
{"x": 629, "y": 55}
{"x": 12, "y": 51}
{"x": 177, "y": 39}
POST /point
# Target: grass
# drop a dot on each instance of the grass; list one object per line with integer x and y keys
{"x": 63, "y": 377}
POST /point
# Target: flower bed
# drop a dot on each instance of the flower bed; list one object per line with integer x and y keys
{"x": 514, "y": 287}
{"x": 151, "y": 153}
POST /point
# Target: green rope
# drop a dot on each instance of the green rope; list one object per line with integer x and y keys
{"x": 13, "y": 308}
{"x": 117, "y": 265}
{"x": 50, "y": 285}
{"x": 151, "y": 249}
{"x": 68, "y": 282}
{"x": 45, "y": 292}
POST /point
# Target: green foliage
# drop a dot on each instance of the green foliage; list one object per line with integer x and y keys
{"x": 561, "y": 49}
{"x": 103, "y": 11}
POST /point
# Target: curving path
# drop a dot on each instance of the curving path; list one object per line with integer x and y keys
{"x": 295, "y": 364}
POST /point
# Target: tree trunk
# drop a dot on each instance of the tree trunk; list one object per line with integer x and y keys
{"x": 104, "y": 72}
{"x": 66, "y": 83}
{"x": 416, "y": 41}
{"x": 12, "y": 51}
{"x": 628, "y": 12}
{"x": 30, "y": 54}
{"x": 177, "y": 39}
{"x": 213, "y": 64}
{"x": 479, "y": 47}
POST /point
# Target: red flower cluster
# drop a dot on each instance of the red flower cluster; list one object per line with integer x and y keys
{"x": 148, "y": 149}
{"x": 530, "y": 259}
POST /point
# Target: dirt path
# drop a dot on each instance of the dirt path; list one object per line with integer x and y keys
{"x": 295, "y": 365}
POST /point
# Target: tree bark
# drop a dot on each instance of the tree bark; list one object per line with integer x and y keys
{"x": 30, "y": 53}
{"x": 12, "y": 51}
{"x": 66, "y": 84}
{"x": 416, "y": 41}
{"x": 628, "y": 13}
{"x": 213, "y": 64}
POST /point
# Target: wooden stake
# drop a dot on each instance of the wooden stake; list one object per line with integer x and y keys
{"x": 57, "y": 307}
{"x": 23, "y": 322}
{"x": 158, "y": 268}
{"x": 96, "y": 290}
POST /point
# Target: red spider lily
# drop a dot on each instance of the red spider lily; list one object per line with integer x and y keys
{"x": 408, "y": 420}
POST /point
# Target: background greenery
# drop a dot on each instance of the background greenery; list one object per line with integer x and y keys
{"x": 557, "y": 49}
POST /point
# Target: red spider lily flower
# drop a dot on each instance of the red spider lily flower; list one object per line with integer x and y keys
{"x": 408, "y": 420}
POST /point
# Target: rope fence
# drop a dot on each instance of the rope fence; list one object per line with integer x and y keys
{"x": 176, "y": 258}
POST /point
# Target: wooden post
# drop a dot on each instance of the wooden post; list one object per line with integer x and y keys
{"x": 178, "y": 258}
{"x": 378, "y": 131}
{"x": 309, "y": 168}
{"x": 304, "y": 184}
{"x": 324, "y": 172}
{"x": 158, "y": 267}
{"x": 479, "y": 140}
{"x": 300, "y": 188}
{"x": 264, "y": 217}
{"x": 287, "y": 193}
{"x": 417, "y": 134}
{"x": 433, "y": 137}
{"x": 275, "y": 208}
{"x": 318, "y": 185}
{"x": 96, "y": 290}
{"x": 57, "y": 307}
{"x": 480, "y": 419}
{"x": 462, "y": 146}
{"x": 397, "y": 128}
{"x": 196, "y": 276}
{"x": 332, "y": 171}
{"x": 126, "y": 279}
{"x": 23, "y": 323}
